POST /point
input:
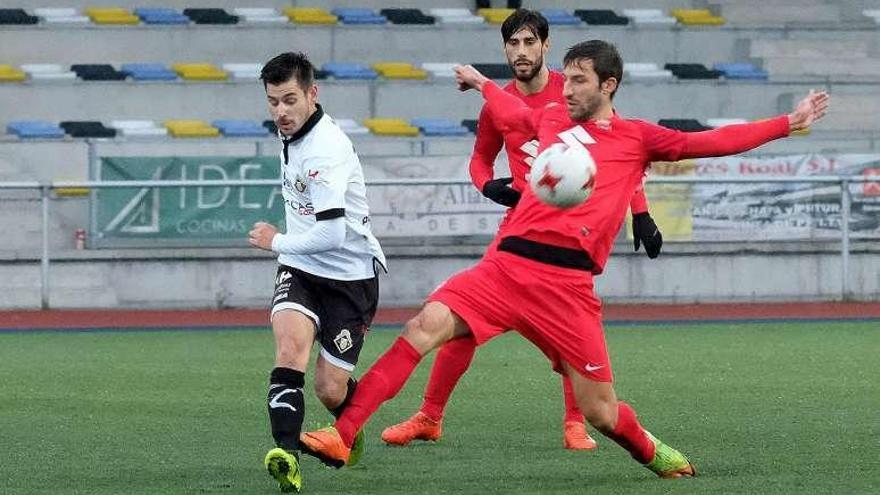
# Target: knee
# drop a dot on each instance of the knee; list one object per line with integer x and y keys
{"x": 329, "y": 392}
{"x": 424, "y": 332}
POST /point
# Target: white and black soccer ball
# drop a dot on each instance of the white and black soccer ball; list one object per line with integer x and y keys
{"x": 562, "y": 175}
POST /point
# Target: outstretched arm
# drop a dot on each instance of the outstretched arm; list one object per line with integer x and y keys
{"x": 668, "y": 144}
{"x": 508, "y": 112}
{"x": 733, "y": 139}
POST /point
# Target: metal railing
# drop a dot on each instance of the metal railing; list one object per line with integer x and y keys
{"x": 45, "y": 189}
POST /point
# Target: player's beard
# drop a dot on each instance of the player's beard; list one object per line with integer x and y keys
{"x": 536, "y": 68}
{"x": 587, "y": 110}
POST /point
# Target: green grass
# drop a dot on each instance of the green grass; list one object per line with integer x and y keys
{"x": 760, "y": 408}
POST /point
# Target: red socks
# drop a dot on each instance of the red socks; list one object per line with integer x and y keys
{"x": 572, "y": 411}
{"x": 629, "y": 434}
{"x": 453, "y": 359}
{"x": 381, "y": 382}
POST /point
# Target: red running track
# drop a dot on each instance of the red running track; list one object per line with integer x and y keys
{"x": 84, "y": 319}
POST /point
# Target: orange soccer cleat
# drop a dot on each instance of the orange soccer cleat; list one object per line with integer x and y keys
{"x": 417, "y": 427}
{"x": 576, "y": 437}
{"x": 326, "y": 445}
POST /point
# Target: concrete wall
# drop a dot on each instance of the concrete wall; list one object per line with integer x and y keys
{"x": 438, "y": 43}
{"x": 854, "y": 104}
{"x": 243, "y": 278}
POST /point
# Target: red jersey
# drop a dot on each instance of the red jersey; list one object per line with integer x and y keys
{"x": 622, "y": 150}
{"x": 521, "y": 144}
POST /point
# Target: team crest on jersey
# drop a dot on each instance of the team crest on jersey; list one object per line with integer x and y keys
{"x": 343, "y": 340}
{"x": 299, "y": 185}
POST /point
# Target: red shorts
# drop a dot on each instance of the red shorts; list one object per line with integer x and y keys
{"x": 553, "y": 307}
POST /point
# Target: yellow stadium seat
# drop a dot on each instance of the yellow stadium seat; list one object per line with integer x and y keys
{"x": 399, "y": 70}
{"x": 697, "y": 17}
{"x": 9, "y": 73}
{"x": 200, "y": 72}
{"x": 391, "y": 127}
{"x": 310, "y": 15}
{"x": 190, "y": 128}
{"x": 111, "y": 15}
{"x": 495, "y": 16}
{"x": 71, "y": 192}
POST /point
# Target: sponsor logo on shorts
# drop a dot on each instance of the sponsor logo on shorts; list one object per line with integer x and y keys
{"x": 343, "y": 340}
{"x": 592, "y": 367}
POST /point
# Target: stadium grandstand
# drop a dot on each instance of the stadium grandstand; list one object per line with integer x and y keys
{"x": 169, "y": 90}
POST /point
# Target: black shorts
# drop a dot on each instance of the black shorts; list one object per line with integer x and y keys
{"x": 341, "y": 309}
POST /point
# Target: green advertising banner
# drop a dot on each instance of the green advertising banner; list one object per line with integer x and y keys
{"x": 184, "y": 216}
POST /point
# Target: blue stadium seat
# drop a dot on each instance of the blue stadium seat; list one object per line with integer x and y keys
{"x": 358, "y": 15}
{"x": 240, "y": 128}
{"x": 161, "y": 15}
{"x": 149, "y": 72}
{"x": 439, "y": 127}
{"x": 349, "y": 70}
{"x": 741, "y": 70}
{"x": 560, "y": 17}
{"x": 34, "y": 129}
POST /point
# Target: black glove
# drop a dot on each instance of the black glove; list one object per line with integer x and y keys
{"x": 646, "y": 232}
{"x": 499, "y": 191}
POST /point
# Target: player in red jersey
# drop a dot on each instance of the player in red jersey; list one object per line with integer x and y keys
{"x": 538, "y": 279}
{"x": 526, "y": 42}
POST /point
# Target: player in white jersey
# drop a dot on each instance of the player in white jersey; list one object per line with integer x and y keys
{"x": 326, "y": 288}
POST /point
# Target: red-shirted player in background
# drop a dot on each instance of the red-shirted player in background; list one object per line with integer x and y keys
{"x": 539, "y": 280}
{"x": 526, "y": 43}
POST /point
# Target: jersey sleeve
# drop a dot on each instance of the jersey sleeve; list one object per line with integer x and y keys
{"x": 510, "y": 113}
{"x": 639, "y": 202}
{"x": 486, "y": 147}
{"x": 671, "y": 145}
{"x": 327, "y": 180}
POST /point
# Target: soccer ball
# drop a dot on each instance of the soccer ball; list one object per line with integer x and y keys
{"x": 562, "y": 175}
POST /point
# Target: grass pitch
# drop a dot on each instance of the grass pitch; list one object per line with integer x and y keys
{"x": 759, "y": 408}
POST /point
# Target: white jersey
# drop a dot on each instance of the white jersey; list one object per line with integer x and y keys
{"x": 322, "y": 173}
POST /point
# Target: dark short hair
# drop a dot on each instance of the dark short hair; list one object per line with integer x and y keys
{"x": 606, "y": 59}
{"x": 287, "y": 66}
{"x": 525, "y": 19}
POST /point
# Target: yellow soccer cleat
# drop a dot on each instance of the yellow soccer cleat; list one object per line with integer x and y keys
{"x": 284, "y": 467}
{"x": 668, "y": 462}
